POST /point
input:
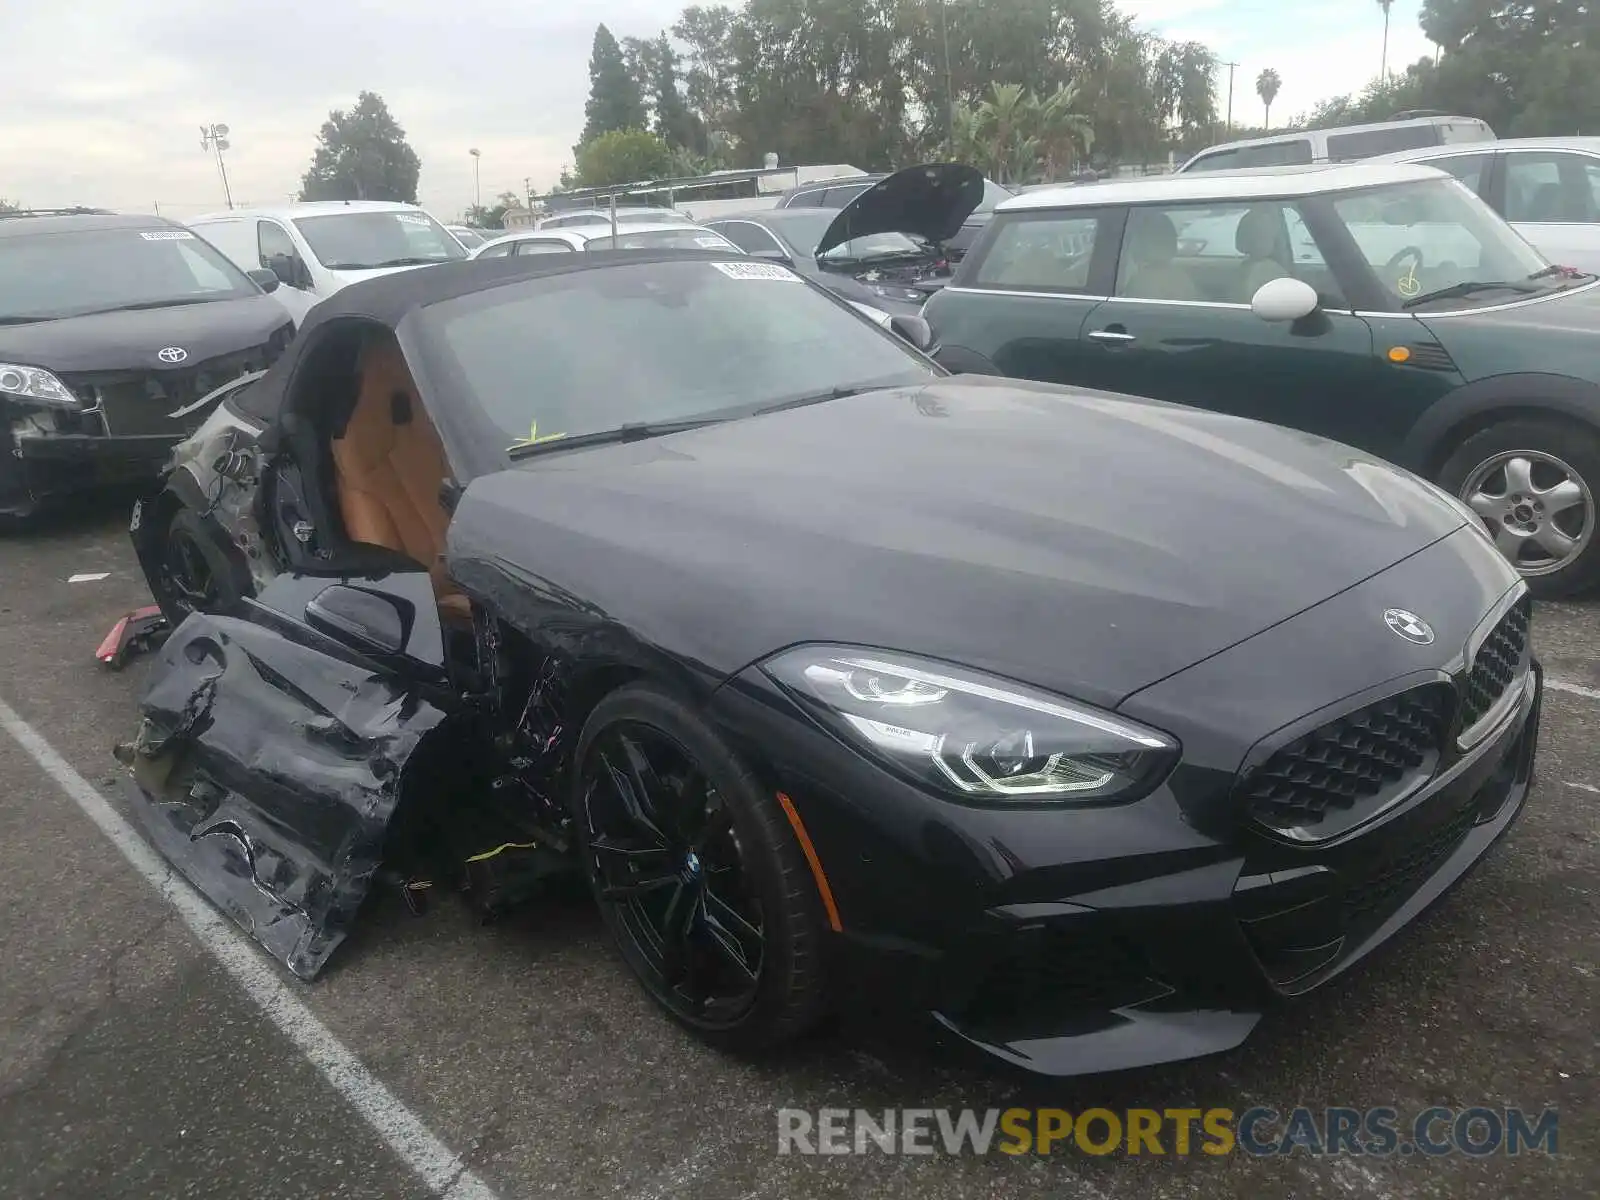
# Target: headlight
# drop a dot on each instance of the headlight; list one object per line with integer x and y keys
{"x": 36, "y": 385}
{"x": 973, "y": 736}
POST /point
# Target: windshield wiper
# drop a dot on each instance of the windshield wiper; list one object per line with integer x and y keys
{"x": 413, "y": 261}
{"x": 838, "y": 393}
{"x": 634, "y": 431}
{"x": 139, "y": 305}
{"x": 1465, "y": 288}
{"x": 27, "y": 320}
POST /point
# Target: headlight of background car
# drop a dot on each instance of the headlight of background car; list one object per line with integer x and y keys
{"x": 890, "y": 291}
{"x": 36, "y": 385}
{"x": 970, "y": 735}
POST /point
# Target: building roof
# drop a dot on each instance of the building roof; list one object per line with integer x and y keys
{"x": 1260, "y": 183}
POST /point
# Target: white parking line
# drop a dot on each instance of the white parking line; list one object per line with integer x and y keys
{"x": 400, "y": 1128}
{"x": 1572, "y": 689}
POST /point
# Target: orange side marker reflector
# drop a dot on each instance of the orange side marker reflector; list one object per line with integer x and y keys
{"x": 810, "y": 852}
{"x": 1398, "y": 354}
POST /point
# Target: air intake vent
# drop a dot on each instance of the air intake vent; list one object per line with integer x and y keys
{"x": 1430, "y": 356}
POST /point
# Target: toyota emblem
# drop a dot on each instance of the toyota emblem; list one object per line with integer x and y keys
{"x": 1409, "y": 626}
{"x": 172, "y": 354}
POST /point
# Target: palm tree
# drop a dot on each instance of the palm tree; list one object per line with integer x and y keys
{"x": 1062, "y": 129}
{"x": 1383, "y": 70}
{"x": 1267, "y": 85}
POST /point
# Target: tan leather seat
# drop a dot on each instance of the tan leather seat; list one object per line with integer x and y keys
{"x": 388, "y": 468}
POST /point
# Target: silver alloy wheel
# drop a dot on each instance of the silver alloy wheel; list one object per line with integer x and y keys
{"x": 1539, "y": 511}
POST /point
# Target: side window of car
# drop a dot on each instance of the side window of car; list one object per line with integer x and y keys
{"x": 1049, "y": 253}
{"x": 811, "y": 199}
{"x": 273, "y": 241}
{"x": 1219, "y": 253}
{"x": 542, "y": 246}
{"x": 746, "y": 235}
{"x": 1468, "y": 168}
{"x": 1548, "y": 187}
{"x": 500, "y": 251}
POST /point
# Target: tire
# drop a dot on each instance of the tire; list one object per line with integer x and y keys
{"x": 773, "y": 884}
{"x": 189, "y": 545}
{"x": 1483, "y": 471}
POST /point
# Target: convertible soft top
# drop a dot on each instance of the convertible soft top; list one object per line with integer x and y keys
{"x": 388, "y": 299}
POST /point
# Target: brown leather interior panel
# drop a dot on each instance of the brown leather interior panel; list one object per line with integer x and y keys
{"x": 388, "y": 467}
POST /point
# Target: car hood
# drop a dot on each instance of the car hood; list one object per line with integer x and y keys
{"x": 1088, "y": 543}
{"x": 928, "y": 201}
{"x": 121, "y": 341}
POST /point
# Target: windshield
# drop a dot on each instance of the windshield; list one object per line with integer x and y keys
{"x": 805, "y": 230}
{"x": 363, "y": 241}
{"x": 73, "y": 273}
{"x": 687, "y": 238}
{"x": 540, "y": 357}
{"x": 1432, "y": 235}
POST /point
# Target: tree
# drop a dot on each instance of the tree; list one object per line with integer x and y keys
{"x": 1383, "y": 69}
{"x": 493, "y": 216}
{"x": 674, "y": 123}
{"x": 1267, "y": 85}
{"x": 615, "y": 102}
{"x": 622, "y": 156}
{"x": 362, "y": 155}
{"x": 1014, "y": 136}
{"x": 9, "y": 206}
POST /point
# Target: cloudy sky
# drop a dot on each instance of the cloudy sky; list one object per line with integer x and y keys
{"x": 104, "y": 98}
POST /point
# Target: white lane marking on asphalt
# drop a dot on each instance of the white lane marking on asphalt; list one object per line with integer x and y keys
{"x": 400, "y": 1128}
{"x": 1572, "y": 689}
{"x": 1582, "y": 787}
{"x": 94, "y": 577}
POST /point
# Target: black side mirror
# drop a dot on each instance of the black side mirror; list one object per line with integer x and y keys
{"x": 288, "y": 270}
{"x": 914, "y": 330}
{"x": 268, "y": 280}
{"x": 361, "y": 619}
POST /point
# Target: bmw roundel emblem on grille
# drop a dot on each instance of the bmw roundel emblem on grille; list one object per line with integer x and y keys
{"x": 1408, "y": 625}
{"x": 172, "y": 354}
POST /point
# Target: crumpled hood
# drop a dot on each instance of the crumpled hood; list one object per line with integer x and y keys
{"x": 928, "y": 201}
{"x": 129, "y": 341}
{"x": 1088, "y": 543}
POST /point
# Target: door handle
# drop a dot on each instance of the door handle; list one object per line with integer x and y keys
{"x": 1112, "y": 336}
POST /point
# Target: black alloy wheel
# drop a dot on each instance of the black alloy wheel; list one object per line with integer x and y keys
{"x": 195, "y": 574}
{"x": 699, "y": 879}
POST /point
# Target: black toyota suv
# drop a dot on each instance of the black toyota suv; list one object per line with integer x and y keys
{"x": 114, "y": 333}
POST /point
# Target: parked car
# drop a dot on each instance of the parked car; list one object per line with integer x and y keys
{"x": 892, "y": 272}
{"x": 838, "y": 193}
{"x": 115, "y": 332}
{"x": 1382, "y": 305}
{"x": 1547, "y": 188}
{"x": 1089, "y": 725}
{"x": 640, "y": 235}
{"x": 635, "y": 214}
{"x": 470, "y": 237}
{"x": 1345, "y": 143}
{"x": 317, "y": 248}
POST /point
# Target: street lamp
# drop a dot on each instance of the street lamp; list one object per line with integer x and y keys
{"x": 477, "y": 188}
{"x": 215, "y": 137}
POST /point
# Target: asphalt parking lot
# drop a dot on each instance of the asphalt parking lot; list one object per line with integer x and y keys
{"x": 133, "y": 1065}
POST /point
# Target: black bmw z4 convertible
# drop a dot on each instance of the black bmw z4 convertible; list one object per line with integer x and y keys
{"x": 1091, "y": 727}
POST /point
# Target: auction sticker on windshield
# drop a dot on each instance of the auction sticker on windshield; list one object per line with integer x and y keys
{"x": 756, "y": 271}
{"x": 411, "y": 218}
{"x": 167, "y": 235}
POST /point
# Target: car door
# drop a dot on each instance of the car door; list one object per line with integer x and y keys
{"x": 1019, "y": 302}
{"x": 279, "y": 254}
{"x": 1552, "y": 198}
{"x": 1179, "y": 325}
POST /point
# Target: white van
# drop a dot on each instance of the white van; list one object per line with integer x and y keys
{"x": 317, "y": 248}
{"x": 1343, "y": 144}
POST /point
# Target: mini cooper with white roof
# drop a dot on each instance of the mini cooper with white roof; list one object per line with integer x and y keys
{"x": 1384, "y": 306}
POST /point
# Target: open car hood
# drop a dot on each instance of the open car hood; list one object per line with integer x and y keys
{"x": 928, "y": 201}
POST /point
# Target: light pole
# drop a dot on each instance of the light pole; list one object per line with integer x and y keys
{"x": 215, "y": 137}
{"x": 477, "y": 188}
{"x": 1229, "y": 124}
{"x": 949, "y": 86}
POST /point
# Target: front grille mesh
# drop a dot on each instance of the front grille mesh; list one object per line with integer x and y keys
{"x": 1390, "y": 881}
{"x": 1357, "y": 757}
{"x": 1497, "y": 663}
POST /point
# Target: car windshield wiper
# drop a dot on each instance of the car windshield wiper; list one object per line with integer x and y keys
{"x": 1465, "y": 288}
{"x": 838, "y": 393}
{"x": 27, "y": 320}
{"x": 634, "y": 431}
